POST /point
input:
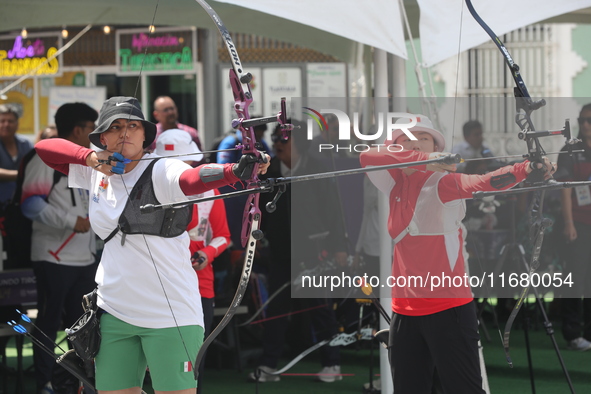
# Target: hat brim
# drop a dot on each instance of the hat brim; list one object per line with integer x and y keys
{"x": 149, "y": 130}
{"x": 437, "y": 136}
{"x": 197, "y": 156}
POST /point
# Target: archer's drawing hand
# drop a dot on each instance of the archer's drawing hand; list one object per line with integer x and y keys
{"x": 440, "y": 167}
{"x": 107, "y": 163}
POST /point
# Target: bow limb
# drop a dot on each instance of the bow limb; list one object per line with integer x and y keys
{"x": 538, "y": 229}
{"x": 525, "y": 104}
{"x": 265, "y": 304}
{"x": 238, "y": 296}
{"x": 520, "y": 84}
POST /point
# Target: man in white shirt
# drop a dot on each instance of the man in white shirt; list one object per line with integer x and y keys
{"x": 473, "y": 146}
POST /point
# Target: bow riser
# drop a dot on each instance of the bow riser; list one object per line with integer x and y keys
{"x": 242, "y": 101}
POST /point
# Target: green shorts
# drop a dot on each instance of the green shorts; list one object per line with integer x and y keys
{"x": 127, "y": 350}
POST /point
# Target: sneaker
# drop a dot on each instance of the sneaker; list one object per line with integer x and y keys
{"x": 330, "y": 374}
{"x": 47, "y": 389}
{"x": 377, "y": 385}
{"x": 262, "y": 375}
{"x": 580, "y": 344}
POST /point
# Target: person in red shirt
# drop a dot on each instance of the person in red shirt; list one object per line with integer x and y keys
{"x": 432, "y": 330}
{"x": 208, "y": 228}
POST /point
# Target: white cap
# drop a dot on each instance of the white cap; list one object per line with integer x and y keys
{"x": 423, "y": 124}
{"x": 177, "y": 142}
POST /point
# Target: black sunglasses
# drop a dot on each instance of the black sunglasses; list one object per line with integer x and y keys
{"x": 279, "y": 138}
{"x": 584, "y": 119}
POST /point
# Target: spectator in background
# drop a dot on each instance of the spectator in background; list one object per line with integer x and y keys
{"x": 49, "y": 131}
{"x": 235, "y": 137}
{"x": 473, "y": 146}
{"x": 576, "y": 213}
{"x": 13, "y": 148}
{"x": 302, "y": 214}
{"x": 167, "y": 115}
{"x": 208, "y": 229}
{"x": 63, "y": 245}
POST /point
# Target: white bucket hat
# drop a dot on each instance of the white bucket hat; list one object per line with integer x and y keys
{"x": 177, "y": 142}
{"x": 423, "y": 124}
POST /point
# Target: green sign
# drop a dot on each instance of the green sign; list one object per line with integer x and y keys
{"x": 79, "y": 80}
{"x": 163, "y": 61}
{"x": 168, "y": 50}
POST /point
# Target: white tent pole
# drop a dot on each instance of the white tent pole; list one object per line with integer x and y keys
{"x": 380, "y": 61}
{"x": 209, "y": 50}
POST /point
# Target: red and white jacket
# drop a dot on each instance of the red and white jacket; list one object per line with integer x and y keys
{"x": 209, "y": 233}
{"x": 426, "y": 209}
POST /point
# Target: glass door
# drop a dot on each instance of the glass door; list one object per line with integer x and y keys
{"x": 183, "y": 91}
{"x": 120, "y": 86}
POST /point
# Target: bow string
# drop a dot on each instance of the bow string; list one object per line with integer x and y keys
{"x": 240, "y": 82}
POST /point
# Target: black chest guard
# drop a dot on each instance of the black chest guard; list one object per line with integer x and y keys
{"x": 167, "y": 223}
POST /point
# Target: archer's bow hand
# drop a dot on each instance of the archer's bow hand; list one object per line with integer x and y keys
{"x": 547, "y": 167}
{"x": 245, "y": 166}
{"x": 107, "y": 163}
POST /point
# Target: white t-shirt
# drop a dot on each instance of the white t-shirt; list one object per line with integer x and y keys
{"x": 137, "y": 280}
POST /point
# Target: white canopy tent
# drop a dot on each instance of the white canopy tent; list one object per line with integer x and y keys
{"x": 16, "y": 14}
{"x": 329, "y": 26}
{"x": 447, "y": 26}
{"x": 440, "y": 24}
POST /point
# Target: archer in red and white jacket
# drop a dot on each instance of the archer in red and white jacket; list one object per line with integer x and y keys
{"x": 426, "y": 210}
{"x": 433, "y": 329}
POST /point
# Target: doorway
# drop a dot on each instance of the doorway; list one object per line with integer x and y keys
{"x": 181, "y": 88}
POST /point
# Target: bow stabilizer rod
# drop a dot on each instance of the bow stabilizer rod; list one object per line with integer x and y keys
{"x": 269, "y": 184}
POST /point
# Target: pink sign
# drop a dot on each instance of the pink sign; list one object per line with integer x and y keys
{"x": 142, "y": 40}
{"x": 19, "y": 51}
